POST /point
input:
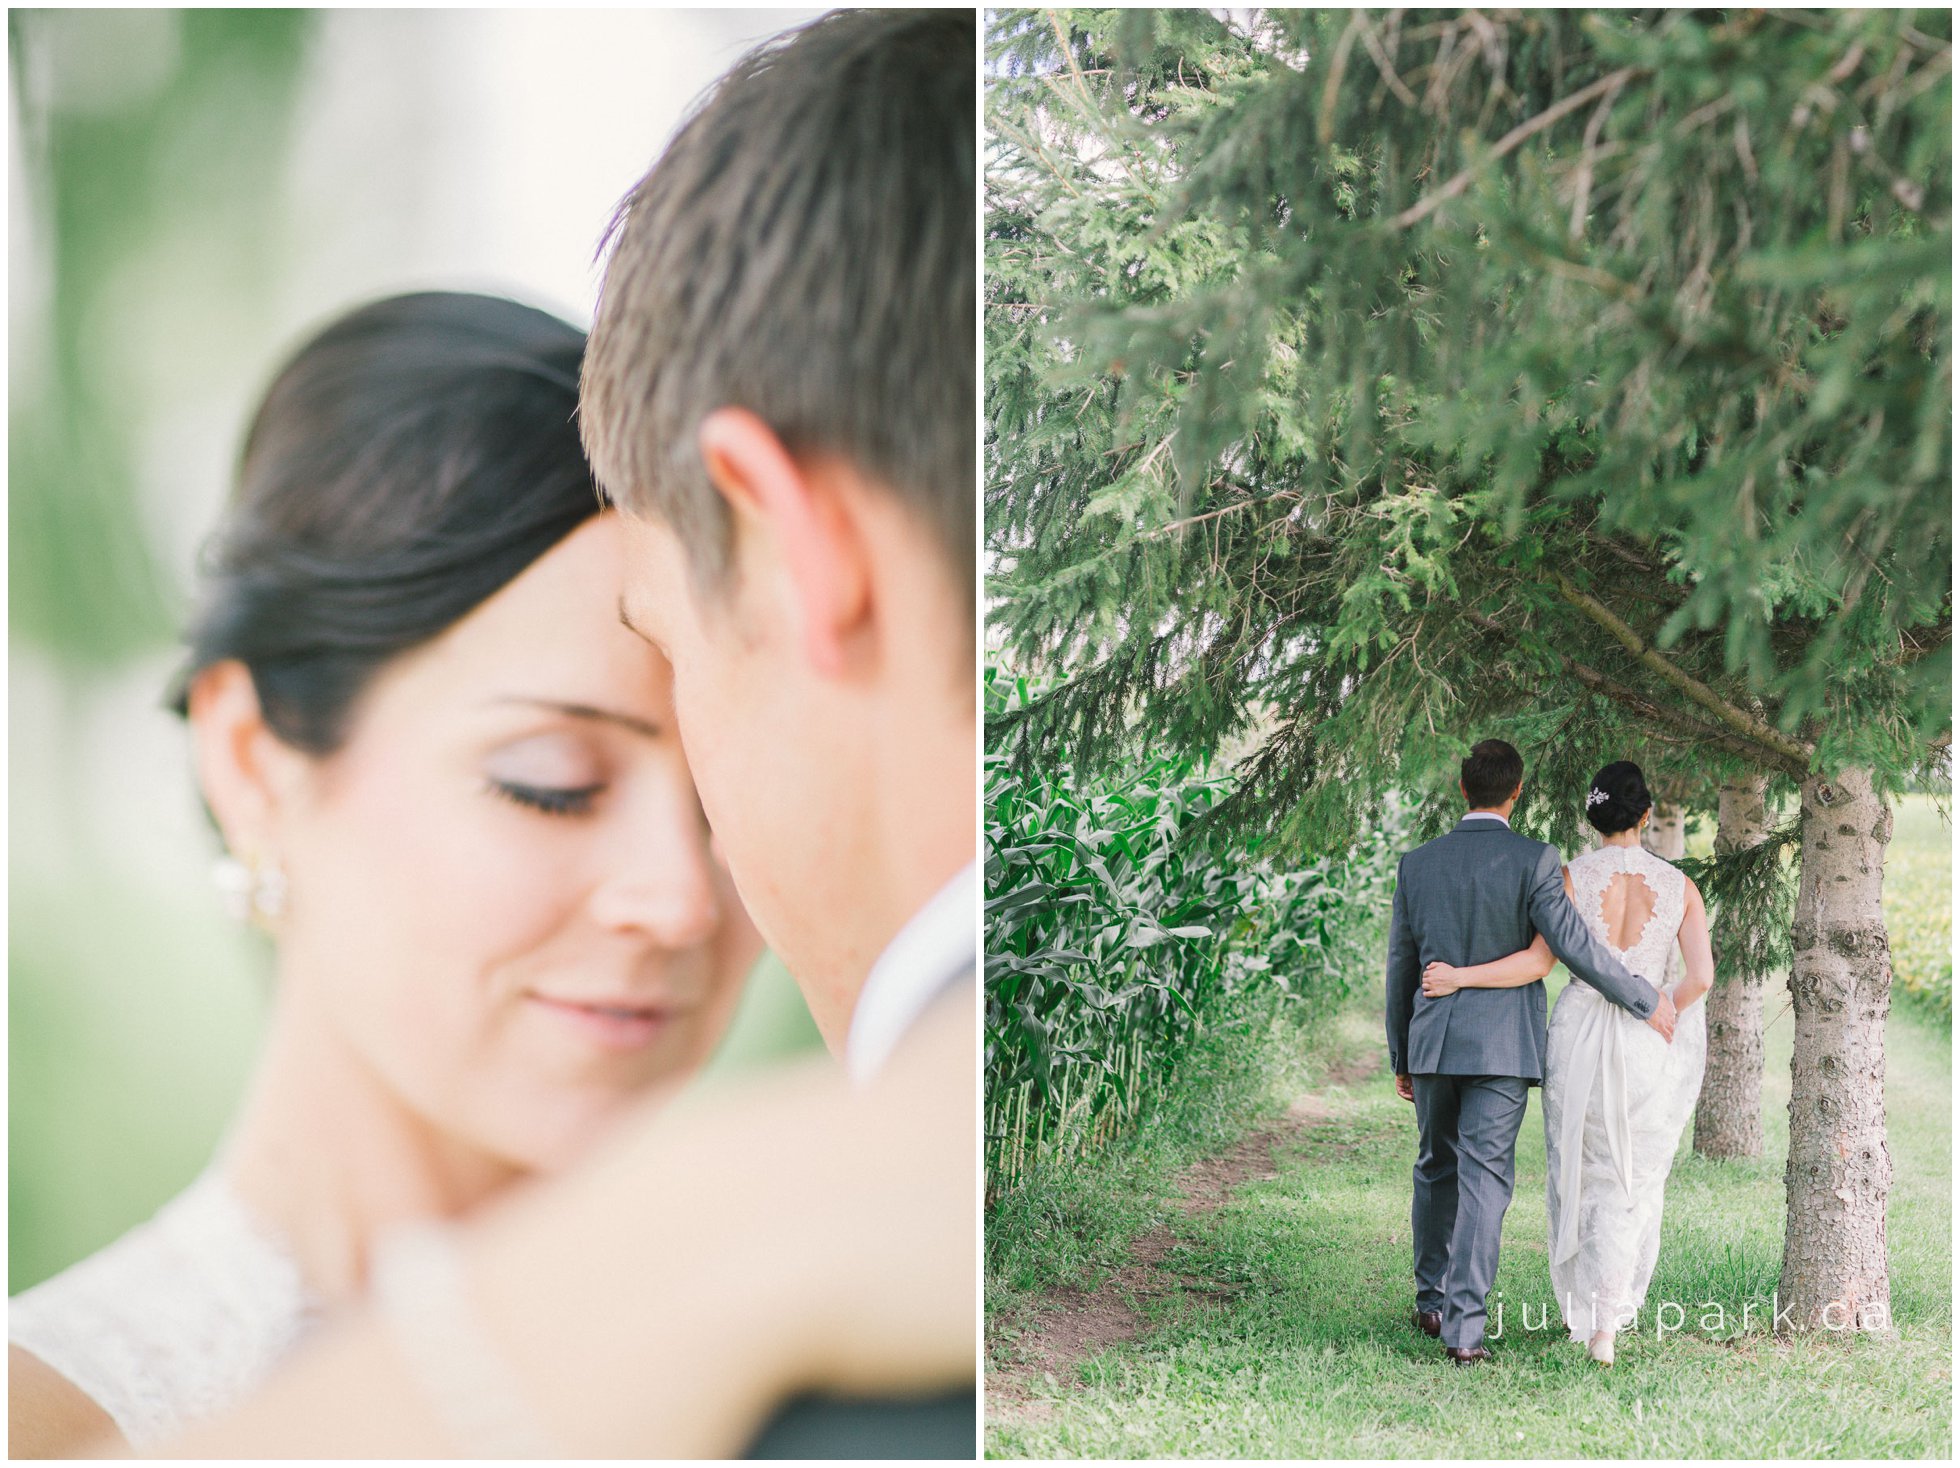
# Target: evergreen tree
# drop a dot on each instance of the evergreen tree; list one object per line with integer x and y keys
{"x": 1362, "y": 384}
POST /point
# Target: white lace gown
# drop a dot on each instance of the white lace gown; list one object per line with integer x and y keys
{"x": 1616, "y": 1098}
{"x": 177, "y": 1320}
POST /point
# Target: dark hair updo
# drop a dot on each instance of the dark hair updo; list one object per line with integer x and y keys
{"x": 1617, "y": 798}
{"x": 409, "y": 462}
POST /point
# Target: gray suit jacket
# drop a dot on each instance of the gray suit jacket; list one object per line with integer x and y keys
{"x": 1469, "y": 897}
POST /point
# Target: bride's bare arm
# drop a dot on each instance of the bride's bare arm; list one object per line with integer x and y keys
{"x": 791, "y": 1235}
{"x": 1513, "y": 971}
{"x": 48, "y": 1416}
{"x": 1697, "y": 953}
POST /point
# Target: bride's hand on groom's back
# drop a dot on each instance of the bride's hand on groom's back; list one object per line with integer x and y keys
{"x": 1438, "y": 979}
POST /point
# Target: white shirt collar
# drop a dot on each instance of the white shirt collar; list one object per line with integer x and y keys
{"x": 1485, "y": 815}
{"x": 938, "y": 944}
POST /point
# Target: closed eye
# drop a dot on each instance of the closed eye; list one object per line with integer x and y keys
{"x": 551, "y": 800}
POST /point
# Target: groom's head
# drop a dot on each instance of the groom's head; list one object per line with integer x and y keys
{"x": 779, "y": 395}
{"x": 1493, "y": 775}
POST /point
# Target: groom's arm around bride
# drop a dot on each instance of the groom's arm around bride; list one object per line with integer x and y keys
{"x": 1484, "y": 887}
{"x": 1552, "y": 915}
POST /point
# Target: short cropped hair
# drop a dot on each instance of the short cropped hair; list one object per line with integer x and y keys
{"x": 804, "y": 249}
{"x": 1491, "y": 773}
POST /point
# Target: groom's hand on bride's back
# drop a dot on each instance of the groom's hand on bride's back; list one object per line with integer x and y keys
{"x": 1662, "y": 1019}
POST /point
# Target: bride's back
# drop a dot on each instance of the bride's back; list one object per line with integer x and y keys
{"x": 1634, "y": 902}
{"x": 1625, "y": 906}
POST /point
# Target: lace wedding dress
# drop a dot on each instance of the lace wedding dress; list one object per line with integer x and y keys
{"x": 178, "y": 1319}
{"x": 1616, "y": 1098}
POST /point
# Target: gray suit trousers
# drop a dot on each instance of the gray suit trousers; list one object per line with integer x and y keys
{"x": 1465, "y": 1166}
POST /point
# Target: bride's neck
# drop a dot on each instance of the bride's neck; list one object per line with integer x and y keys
{"x": 1623, "y": 838}
{"x": 327, "y": 1154}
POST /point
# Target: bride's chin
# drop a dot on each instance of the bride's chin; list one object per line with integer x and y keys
{"x": 551, "y": 1133}
{"x": 585, "y": 1124}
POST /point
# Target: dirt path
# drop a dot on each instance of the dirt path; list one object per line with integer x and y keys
{"x": 1068, "y": 1326}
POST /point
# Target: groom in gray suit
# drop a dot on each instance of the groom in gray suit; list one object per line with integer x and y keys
{"x": 1466, "y": 1059}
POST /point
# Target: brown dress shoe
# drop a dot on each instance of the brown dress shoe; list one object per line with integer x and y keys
{"x": 1466, "y": 1355}
{"x": 1429, "y": 1322}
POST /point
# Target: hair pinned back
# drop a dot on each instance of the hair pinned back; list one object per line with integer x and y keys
{"x": 1617, "y": 798}
{"x": 406, "y": 464}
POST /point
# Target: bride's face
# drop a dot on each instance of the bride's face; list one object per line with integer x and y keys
{"x": 503, "y": 900}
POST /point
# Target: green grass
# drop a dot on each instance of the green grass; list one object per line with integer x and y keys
{"x": 1919, "y": 907}
{"x": 1071, "y": 1222}
{"x": 1313, "y": 1358}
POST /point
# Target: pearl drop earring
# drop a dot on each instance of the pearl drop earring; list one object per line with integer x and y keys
{"x": 253, "y": 890}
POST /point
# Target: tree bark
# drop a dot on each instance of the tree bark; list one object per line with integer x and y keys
{"x": 1729, "y": 1114}
{"x": 1840, "y": 989}
{"x": 1667, "y": 831}
{"x": 1666, "y": 836}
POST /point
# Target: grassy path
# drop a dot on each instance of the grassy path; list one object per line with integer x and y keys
{"x": 1273, "y": 1324}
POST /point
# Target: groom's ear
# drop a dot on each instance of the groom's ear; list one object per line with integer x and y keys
{"x": 805, "y": 513}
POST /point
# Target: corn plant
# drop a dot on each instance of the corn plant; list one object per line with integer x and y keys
{"x": 1116, "y": 918}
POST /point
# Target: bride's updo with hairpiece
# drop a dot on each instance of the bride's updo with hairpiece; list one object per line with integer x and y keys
{"x": 1617, "y": 798}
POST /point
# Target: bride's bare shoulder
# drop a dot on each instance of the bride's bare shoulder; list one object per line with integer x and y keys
{"x": 48, "y": 1416}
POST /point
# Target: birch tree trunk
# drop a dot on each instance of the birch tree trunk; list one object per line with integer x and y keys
{"x": 1729, "y": 1114}
{"x": 1667, "y": 831}
{"x": 1841, "y": 989}
{"x": 1666, "y": 836}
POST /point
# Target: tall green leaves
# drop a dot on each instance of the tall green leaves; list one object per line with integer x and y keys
{"x": 1117, "y": 916}
{"x": 1104, "y": 916}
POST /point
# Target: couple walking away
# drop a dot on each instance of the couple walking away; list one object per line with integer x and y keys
{"x": 1479, "y": 916}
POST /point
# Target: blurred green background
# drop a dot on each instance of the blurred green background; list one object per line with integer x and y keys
{"x": 190, "y": 192}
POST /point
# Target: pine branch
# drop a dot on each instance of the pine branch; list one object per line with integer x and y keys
{"x": 1920, "y": 641}
{"x": 1614, "y": 548}
{"x": 1795, "y": 755}
{"x": 1511, "y": 141}
{"x": 1685, "y": 725}
{"x": 1682, "y": 725}
{"x": 1173, "y": 526}
{"x": 1751, "y": 894}
{"x": 1089, "y": 102}
{"x": 1382, "y": 65}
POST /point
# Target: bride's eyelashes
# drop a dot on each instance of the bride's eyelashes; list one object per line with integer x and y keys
{"x": 551, "y": 800}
